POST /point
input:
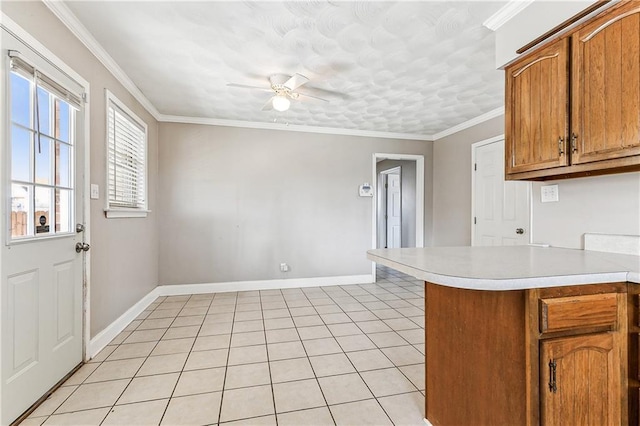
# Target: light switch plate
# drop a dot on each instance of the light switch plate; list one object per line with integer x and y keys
{"x": 95, "y": 191}
{"x": 549, "y": 193}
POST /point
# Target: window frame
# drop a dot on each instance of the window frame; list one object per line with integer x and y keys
{"x": 114, "y": 211}
{"x": 56, "y": 91}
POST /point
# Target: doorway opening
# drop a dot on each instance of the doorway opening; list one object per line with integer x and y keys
{"x": 398, "y": 201}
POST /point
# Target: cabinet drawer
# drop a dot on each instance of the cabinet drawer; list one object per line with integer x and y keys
{"x": 565, "y": 313}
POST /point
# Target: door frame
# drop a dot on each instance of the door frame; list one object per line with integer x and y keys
{"x": 419, "y": 159}
{"x": 9, "y": 25}
{"x": 394, "y": 170}
{"x": 474, "y": 147}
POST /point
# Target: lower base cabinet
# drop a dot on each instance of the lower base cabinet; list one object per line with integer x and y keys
{"x": 551, "y": 356}
{"x": 580, "y": 380}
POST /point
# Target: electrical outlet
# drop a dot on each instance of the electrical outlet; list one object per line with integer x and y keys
{"x": 284, "y": 267}
{"x": 549, "y": 193}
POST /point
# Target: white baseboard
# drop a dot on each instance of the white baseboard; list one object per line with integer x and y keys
{"x": 103, "y": 338}
{"x": 427, "y": 422}
{"x": 180, "y": 289}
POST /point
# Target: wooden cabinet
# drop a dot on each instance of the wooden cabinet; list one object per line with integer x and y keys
{"x": 550, "y": 356}
{"x": 578, "y": 338}
{"x": 596, "y": 129}
{"x": 580, "y": 381}
{"x": 537, "y": 112}
{"x": 605, "y": 100}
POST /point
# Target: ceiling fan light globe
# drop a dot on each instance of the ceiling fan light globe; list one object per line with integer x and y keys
{"x": 281, "y": 103}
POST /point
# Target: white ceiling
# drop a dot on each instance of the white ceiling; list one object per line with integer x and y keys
{"x": 403, "y": 67}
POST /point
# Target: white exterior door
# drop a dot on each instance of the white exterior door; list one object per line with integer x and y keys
{"x": 394, "y": 211}
{"x": 42, "y": 191}
{"x": 501, "y": 208}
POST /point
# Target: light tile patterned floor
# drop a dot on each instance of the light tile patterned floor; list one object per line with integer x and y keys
{"x": 344, "y": 355}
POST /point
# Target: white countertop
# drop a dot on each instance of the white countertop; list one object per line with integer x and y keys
{"x": 509, "y": 268}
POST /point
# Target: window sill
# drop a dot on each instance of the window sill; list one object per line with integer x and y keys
{"x": 120, "y": 214}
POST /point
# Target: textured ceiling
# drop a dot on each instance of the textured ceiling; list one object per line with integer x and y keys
{"x": 403, "y": 67}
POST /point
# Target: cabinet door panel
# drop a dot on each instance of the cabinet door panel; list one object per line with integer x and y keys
{"x": 537, "y": 110}
{"x": 606, "y": 87}
{"x": 587, "y": 379}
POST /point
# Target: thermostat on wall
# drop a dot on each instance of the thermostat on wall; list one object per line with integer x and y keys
{"x": 366, "y": 190}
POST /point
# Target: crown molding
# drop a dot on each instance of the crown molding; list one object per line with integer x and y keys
{"x": 290, "y": 127}
{"x": 66, "y": 16}
{"x": 506, "y": 12}
{"x": 469, "y": 123}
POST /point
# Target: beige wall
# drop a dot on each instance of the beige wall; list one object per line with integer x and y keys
{"x": 452, "y": 182}
{"x": 124, "y": 259}
{"x": 235, "y": 203}
{"x": 601, "y": 204}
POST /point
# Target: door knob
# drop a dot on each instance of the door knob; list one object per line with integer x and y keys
{"x": 82, "y": 247}
{"x": 519, "y": 231}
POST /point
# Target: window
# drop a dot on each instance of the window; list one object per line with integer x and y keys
{"x": 126, "y": 161}
{"x": 42, "y": 142}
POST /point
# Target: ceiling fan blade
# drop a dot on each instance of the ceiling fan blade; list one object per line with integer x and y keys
{"x": 312, "y": 97}
{"x": 244, "y": 86}
{"x": 295, "y": 81}
{"x": 325, "y": 92}
{"x": 269, "y": 105}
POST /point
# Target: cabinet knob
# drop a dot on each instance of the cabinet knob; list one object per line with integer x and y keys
{"x": 519, "y": 231}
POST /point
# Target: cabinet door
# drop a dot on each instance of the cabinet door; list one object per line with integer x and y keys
{"x": 537, "y": 110}
{"x": 605, "y": 117}
{"x": 587, "y": 388}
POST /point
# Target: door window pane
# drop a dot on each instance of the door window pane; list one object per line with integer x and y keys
{"x": 42, "y": 216}
{"x": 21, "y": 196}
{"x": 63, "y": 122}
{"x": 20, "y": 154}
{"x": 63, "y": 165}
{"x": 44, "y": 112}
{"x": 20, "y": 100}
{"x": 43, "y": 160}
{"x": 64, "y": 207}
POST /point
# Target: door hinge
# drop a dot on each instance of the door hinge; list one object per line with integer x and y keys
{"x": 84, "y": 97}
{"x": 552, "y": 376}
{"x": 560, "y": 146}
{"x": 475, "y": 221}
{"x": 574, "y": 147}
{"x": 475, "y": 167}
{"x": 386, "y": 185}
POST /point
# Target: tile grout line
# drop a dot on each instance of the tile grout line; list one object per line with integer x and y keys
{"x": 311, "y": 365}
{"x": 186, "y": 359}
{"x": 226, "y": 367}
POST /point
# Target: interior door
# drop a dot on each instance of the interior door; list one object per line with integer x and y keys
{"x": 501, "y": 208}
{"x": 42, "y": 274}
{"x": 394, "y": 211}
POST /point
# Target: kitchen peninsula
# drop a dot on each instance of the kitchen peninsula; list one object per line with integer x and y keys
{"x": 527, "y": 335}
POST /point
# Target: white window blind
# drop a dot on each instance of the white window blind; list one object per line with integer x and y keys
{"x": 127, "y": 154}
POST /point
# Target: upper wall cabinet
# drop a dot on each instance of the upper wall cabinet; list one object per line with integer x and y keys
{"x": 537, "y": 112}
{"x": 598, "y": 130}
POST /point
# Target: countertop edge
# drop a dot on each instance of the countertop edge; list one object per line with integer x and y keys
{"x": 508, "y": 284}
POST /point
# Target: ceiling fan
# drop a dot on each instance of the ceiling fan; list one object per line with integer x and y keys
{"x": 284, "y": 90}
